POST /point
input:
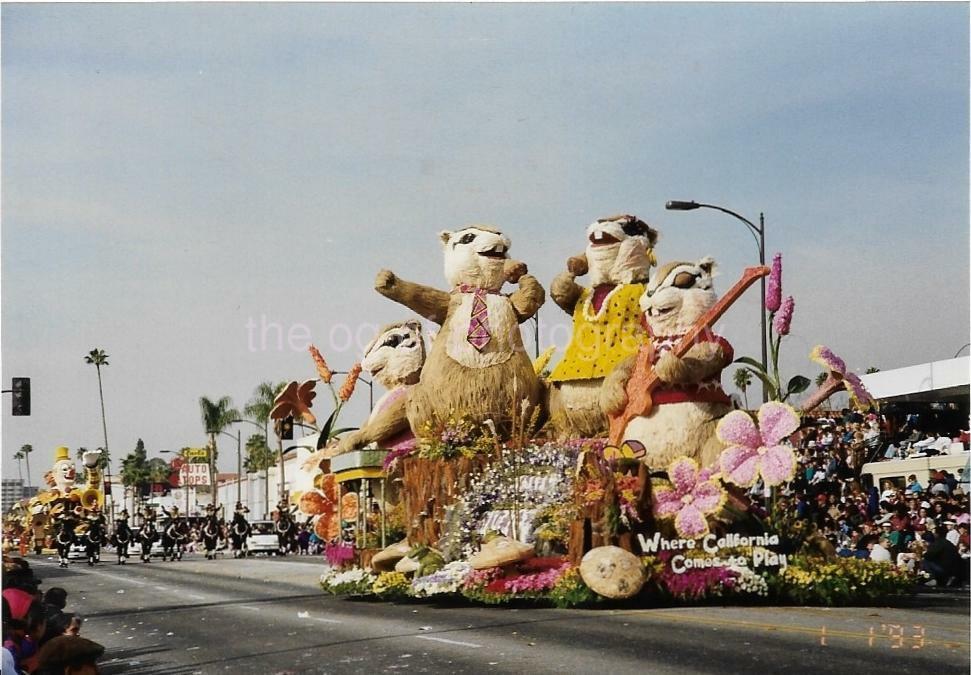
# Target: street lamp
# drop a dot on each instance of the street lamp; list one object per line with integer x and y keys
{"x": 239, "y": 461}
{"x": 266, "y": 469}
{"x": 759, "y": 233}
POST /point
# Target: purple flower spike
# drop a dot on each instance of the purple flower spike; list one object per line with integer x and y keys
{"x": 783, "y": 318}
{"x": 773, "y": 287}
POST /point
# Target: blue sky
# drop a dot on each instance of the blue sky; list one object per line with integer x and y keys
{"x": 175, "y": 173}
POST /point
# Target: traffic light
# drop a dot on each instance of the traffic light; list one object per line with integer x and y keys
{"x": 21, "y": 395}
{"x": 286, "y": 428}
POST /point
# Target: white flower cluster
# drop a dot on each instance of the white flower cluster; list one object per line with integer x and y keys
{"x": 356, "y": 580}
{"x": 750, "y": 583}
{"x": 446, "y": 580}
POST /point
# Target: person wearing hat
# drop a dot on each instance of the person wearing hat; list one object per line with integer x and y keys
{"x": 122, "y": 537}
{"x": 24, "y": 623}
{"x": 69, "y": 655}
{"x": 952, "y": 535}
{"x": 879, "y": 553}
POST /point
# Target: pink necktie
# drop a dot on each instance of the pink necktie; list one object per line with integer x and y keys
{"x": 478, "y": 335}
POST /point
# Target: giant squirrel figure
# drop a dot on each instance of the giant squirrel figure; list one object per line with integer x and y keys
{"x": 606, "y": 320}
{"x": 477, "y": 365}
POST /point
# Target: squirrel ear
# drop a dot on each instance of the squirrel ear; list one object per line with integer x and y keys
{"x": 707, "y": 264}
{"x": 414, "y": 325}
{"x": 444, "y": 236}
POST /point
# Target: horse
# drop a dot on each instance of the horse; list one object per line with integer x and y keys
{"x": 121, "y": 540}
{"x": 64, "y": 539}
{"x": 211, "y": 534}
{"x": 146, "y": 537}
{"x": 93, "y": 538}
{"x": 286, "y": 532}
{"x": 238, "y": 532}
{"x": 173, "y": 539}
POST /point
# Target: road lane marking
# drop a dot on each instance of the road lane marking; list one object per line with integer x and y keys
{"x": 161, "y": 588}
{"x": 450, "y": 642}
{"x": 195, "y": 597}
{"x": 323, "y": 620}
{"x": 255, "y": 609}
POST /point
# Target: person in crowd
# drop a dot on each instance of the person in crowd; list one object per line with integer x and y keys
{"x": 942, "y": 560}
{"x": 913, "y": 485}
{"x": 24, "y": 624}
{"x": 69, "y": 655}
{"x": 58, "y": 621}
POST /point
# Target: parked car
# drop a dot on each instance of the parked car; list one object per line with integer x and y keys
{"x": 263, "y": 538}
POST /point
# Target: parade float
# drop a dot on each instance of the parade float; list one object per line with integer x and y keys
{"x": 41, "y": 515}
{"x": 501, "y": 493}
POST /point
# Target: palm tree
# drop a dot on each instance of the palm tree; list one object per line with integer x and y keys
{"x": 25, "y": 450}
{"x": 157, "y": 471}
{"x": 19, "y": 456}
{"x": 98, "y": 358}
{"x": 821, "y": 378}
{"x": 258, "y": 409}
{"x": 133, "y": 470}
{"x": 259, "y": 457}
{"x": 216, "y": 416}
{"x": 742, "y": 379}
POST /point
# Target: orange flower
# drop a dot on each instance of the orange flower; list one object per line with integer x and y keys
{"x": 322, "y": 369}
{"x": 349, "y": 506}
{"x": 347, "y": 389}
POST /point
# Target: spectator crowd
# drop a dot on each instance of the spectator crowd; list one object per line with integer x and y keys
{"x": 920, "y": 527}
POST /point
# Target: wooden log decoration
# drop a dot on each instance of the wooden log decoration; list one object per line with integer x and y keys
{"x": 428, "y": 486}
{"x": 644, "y": 380}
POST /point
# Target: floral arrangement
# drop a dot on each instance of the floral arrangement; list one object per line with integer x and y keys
{"x": 780, "y": 321}
{"x": 452, "y": 436}
{"x": 532, "y": 579}
{"x": 839, "y": 582}
{"x": 338, "y": 553}
{"x": 339, "y": 396}
{"x": 391, "y": 585}
{"x": 693, "y": 496}
{"x": 748, "y": 582}
{"x": 758, "y": 451}
{"x": 355, "y": 581}
{"x": 552, "y": 524}
{"x": 570, "y": 591}
{"x": 691, "y": 585}
{"x": 534, "y": 477}
{"x": 446, "y": 581}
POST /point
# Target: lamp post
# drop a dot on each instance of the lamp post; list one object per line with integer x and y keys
{"x": 758, "y": 231}
{"x": 239, "y": 461}
{"x": 266, "y": 469}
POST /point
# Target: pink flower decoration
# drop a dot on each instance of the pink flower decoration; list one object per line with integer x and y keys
{"x": 773, "y": 287}
{"x": 783, "y": 319}
{"x": 757, "y": 450}
{"x": 824, "y": 356}
{"x": 859, "y": 396}
{"x": 692, "y": 496}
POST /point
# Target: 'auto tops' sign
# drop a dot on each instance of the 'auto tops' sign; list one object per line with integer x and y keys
{"x": 194, "y": 474}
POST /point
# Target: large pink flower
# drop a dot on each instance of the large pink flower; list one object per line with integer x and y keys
{"x": 773, "y": 288}
{"x": 859, "y": 396}
{"x": 692, "y": 496}
{"x": 783, "y": 318}
{"x": 757, "y": 450}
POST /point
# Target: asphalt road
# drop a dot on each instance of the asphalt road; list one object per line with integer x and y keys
{"x": 268, "y": 616}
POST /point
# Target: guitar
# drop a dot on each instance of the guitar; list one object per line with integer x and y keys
{"x": 644, "y": 380}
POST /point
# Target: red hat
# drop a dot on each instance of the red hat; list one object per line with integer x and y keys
{"x": 19, "y": 602}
